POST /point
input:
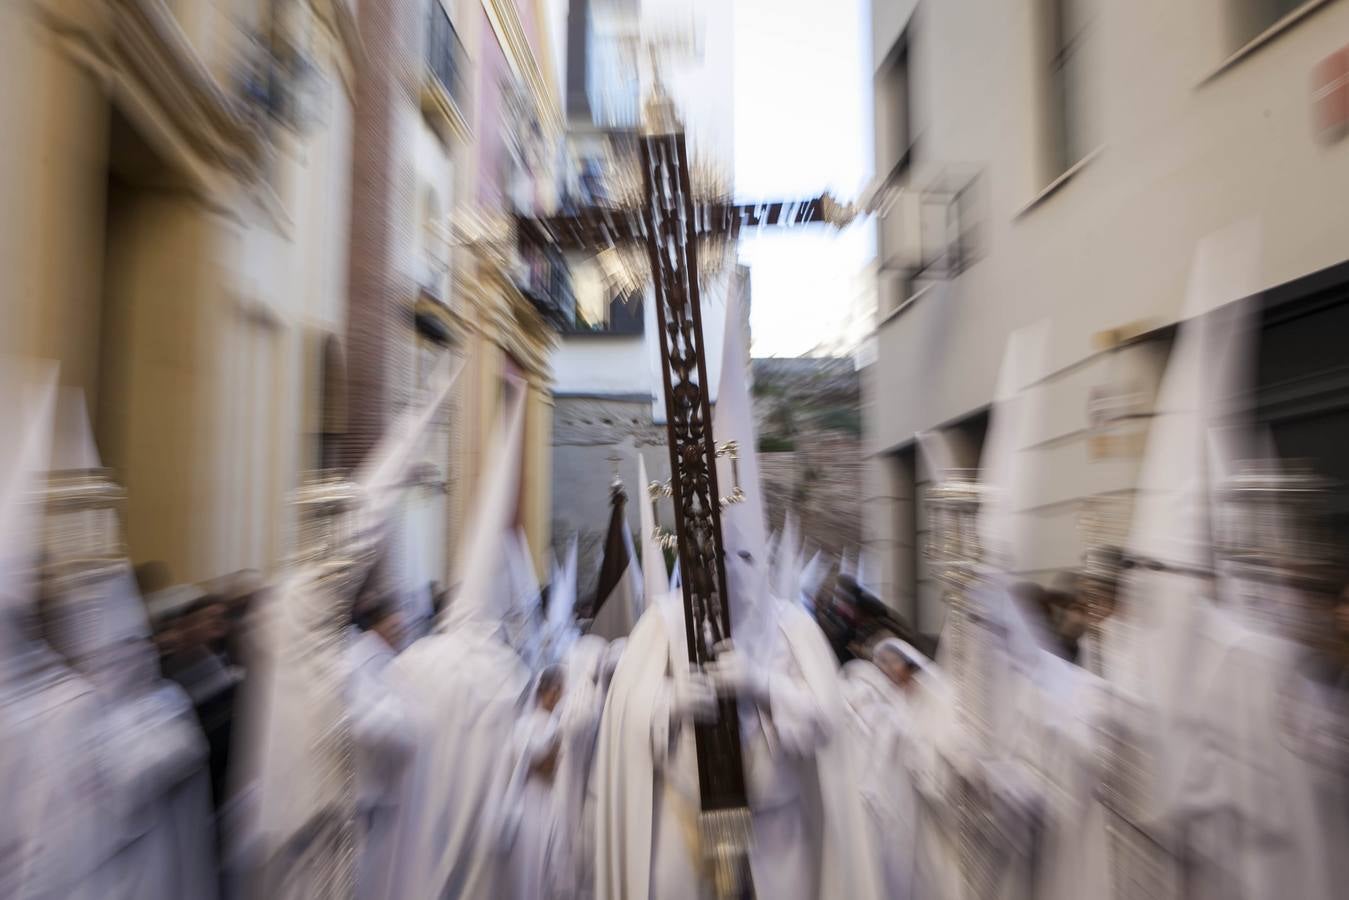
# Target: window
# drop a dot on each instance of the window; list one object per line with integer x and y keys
{"x": 894, "y": 114}
{"x": 1070, "y": 113}
{"x": 1250, "y": 18}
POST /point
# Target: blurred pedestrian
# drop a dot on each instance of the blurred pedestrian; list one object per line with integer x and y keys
{"x": 53, "y": 831}
{"x": 196, "y": 632}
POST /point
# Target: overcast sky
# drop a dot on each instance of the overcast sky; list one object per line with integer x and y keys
{"x": 802, "y": 125}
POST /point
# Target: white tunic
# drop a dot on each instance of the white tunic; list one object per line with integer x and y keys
{"x": 383, "y": 741}
{"x": 533, "y": 832}
{"x": 53, "y": 837}
{"x": 1060, "y": 759}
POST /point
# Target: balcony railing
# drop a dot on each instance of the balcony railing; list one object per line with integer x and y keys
{"x": 623, "y": 318}
{"x": 545, "y": 279}
{"x": 444, "y": 51}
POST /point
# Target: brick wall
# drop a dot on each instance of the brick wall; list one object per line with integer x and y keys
{"x": 379, "y": 339}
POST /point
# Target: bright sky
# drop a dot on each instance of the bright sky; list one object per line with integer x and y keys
{"x": 803, "y": 125}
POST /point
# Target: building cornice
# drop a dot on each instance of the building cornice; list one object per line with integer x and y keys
{"x": 339, "y": 18}
{"x": 149, "y": 45}
{"x": 510, "y": 33}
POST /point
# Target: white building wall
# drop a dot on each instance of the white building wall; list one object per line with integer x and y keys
{"x": 1190, "y": 142}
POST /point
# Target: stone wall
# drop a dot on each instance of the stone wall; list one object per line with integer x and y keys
{"x": 807, "y": 412}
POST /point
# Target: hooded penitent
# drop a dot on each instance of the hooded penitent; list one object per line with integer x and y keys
{"x": 303, "y": 804}
{"x": 986, "y": 619}
{"x": 160, "y": 823}
{"x": 1159, "y": 623}
{"x": 54, "y": 839}
{"x": 647, "y": 767}
{"x": 96, "y": 618}
{"x": 28, "y": 409}
{"x": 744, "y": 524}
{"x": 463, "y": 687}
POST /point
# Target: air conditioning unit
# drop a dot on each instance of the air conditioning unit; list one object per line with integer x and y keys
{"x": 931, "y": 230}
{"x": 906, "y": 220}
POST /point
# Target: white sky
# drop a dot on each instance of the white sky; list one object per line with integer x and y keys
{"x": 803, "y": 125}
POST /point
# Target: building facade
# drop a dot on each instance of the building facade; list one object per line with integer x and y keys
{"x": 250, "y": 230}
{"x": 175, "y": 192}
{"x": 503, "y": 309}
{"x": 1066, "y": 160}
{"x": 455, "y": 118}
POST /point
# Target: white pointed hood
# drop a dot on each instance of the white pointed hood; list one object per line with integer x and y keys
{"x": 789, "y": 562}
{"x": 866, "y": 574}
{"x": 676, "y": 583}
{"x": 1006, "y": 471}
{"x": 94, "y": 614}
{"x": 1212, "y": 354}
{"x": 655, "y": 584}
{"x": 482, "y": 596}
{"x": 523, "y": 621}
{"x": 382, "y": 475}
{"x": 27, "y": 409}
{"x": 743, "y": 525}
{"x": 937, "y": 454}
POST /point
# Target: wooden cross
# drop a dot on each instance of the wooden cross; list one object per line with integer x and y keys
{"x": 670, "y": 222}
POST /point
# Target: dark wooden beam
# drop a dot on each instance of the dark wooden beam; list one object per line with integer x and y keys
{"x": 593, "y": 228}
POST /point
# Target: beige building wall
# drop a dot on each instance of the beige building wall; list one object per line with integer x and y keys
{"x": 495, "y": 328}
{"x": 1190, "y": 131}
{"x": 177, "y": 259}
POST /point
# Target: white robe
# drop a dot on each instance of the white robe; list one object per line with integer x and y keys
{"x": 1060, "y": 764}
{"x": 462, "y": 691}
{"x": 533, "y": 831}
{"x": 882, "y": 730}
{"x": 53, "y": 834}
{"x": 805, "y": 819}
{"x": 1264, "y": 803}
{"x": 383, "y": 742}
{"x": 158, "y": 796}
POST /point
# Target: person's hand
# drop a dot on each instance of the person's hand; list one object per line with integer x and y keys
{"x": 734, "y": 675}
{"x": 695, "y": 700}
